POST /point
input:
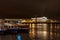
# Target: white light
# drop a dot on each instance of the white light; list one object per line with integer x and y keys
{"x": 43, "y": 19}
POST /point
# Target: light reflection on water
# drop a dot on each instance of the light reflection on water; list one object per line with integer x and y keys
{"x": 18, "y": 37}
{"x": 40, "y": 34}
{"x": 48, "y": 34}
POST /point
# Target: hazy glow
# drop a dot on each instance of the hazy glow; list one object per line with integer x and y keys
{"x": 7, "y": 24}
{"x": 18, "y": 37}
{"x": 23, "y": 21}
{"x": 32, "y": 33}
{"x": 33, "y": 25}
{"x": 45, "y": 33}
{"x": 42, "y": 19}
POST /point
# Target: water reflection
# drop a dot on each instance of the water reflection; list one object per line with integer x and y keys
{"x": 43, "y": 32}
{"x": 8, "y": 37}
{"x": 18, "y": 37}
{"x": 39, "y": 34}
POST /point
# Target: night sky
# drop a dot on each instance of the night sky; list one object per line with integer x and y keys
{"x": 29, "y": 8}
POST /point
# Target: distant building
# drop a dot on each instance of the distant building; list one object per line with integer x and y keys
{"x": 40, "y": 19}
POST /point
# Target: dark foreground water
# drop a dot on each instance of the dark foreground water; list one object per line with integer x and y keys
{"x": 31, "y": 36}
{"x": 40, "y": 34}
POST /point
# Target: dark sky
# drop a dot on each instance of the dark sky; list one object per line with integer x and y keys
{"x": 29, "y": 8}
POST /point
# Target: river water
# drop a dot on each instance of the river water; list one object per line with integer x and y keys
{"x": 41, "y": 33}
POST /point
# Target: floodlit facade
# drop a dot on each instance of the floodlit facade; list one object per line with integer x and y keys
{"x": 39, "y": 26}
{"x": 40, "y": 19}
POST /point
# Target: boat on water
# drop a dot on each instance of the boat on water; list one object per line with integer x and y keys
{"x": 10, "y": 26}
{"x": 15, "y": 28}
